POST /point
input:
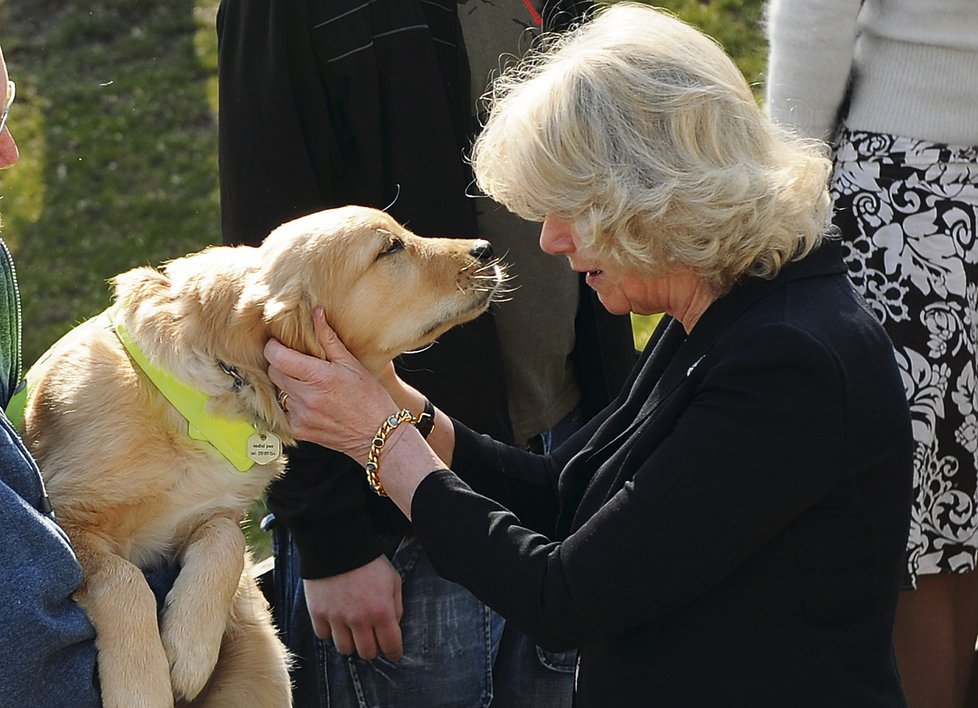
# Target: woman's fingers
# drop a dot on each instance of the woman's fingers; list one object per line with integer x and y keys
{"x": 293, "y": 364}
{"x": 334, "y": 348}
{"x": 303, "y": 367}
{"x": 283, "y": 381}
{"x": 316, "y": 393}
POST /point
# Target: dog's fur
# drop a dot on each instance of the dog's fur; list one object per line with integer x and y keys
{"x": 133, "y": 491}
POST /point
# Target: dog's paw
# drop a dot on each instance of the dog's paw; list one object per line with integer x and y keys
{"x": 192, "y": 661}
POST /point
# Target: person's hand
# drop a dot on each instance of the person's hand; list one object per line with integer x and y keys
{"x": 360, "y": 610}
{"x": 334, "y": 402}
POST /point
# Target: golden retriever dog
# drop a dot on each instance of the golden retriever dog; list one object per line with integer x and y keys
{"x": 134, "y": 485}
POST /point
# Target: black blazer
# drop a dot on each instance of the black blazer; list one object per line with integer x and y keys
{"x": 731, "y": 529}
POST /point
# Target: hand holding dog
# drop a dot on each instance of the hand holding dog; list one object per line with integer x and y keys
{"x": 335, "y": 402}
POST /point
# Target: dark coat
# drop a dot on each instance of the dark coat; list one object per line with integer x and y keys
{"x": 332, "y": 102}
{"x": 732, "y": 528}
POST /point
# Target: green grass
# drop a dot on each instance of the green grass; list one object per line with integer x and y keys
{"x": 115, "y": 118}
{"x": 116, "y": 122}
{"x": 736, "y": 24}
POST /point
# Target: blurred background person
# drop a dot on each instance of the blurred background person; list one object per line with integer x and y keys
{"x": 893, "y": 86}
{"x": 333, "y": 102}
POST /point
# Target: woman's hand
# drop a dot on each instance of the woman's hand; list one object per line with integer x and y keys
{"x": 334, "y": 402}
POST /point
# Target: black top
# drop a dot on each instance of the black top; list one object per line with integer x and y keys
{"x": 730, "y": 531}
{"x": 333, "y": 102}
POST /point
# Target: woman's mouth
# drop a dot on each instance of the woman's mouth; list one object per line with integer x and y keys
{"x": 591, "y": 276}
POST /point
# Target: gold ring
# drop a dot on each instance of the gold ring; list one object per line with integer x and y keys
{"x": 283, "y": 398}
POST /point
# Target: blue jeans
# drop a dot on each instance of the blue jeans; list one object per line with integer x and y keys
{"x": 457, "y": 652}
{"x": 450, "y": 641}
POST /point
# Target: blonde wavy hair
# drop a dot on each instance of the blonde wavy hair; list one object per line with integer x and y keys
{"x": 640, "y": 130}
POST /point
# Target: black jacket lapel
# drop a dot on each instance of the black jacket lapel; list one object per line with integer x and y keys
{"x": 669, "y": 361}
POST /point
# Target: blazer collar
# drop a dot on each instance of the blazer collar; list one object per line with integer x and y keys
{"x": 672, "y": 355}
{"x": 723, "y": 312}
{"x": 826, "y": 260}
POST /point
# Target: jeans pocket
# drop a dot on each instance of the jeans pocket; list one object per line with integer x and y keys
{"x": 448, "y": 644}
{"x": 562, "y": 661}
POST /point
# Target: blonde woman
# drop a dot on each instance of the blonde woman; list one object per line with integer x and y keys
{"x": 730, "y": 530}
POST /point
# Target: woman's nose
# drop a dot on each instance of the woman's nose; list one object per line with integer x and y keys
{"x": 556, "y": 237}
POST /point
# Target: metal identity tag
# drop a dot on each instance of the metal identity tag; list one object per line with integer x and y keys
{"x": 264, "y": 447}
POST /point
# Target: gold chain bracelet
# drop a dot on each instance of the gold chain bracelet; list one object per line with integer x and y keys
{"x": 377, "y": 445}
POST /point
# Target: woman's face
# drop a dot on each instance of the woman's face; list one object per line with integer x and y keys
{"x": 619, "y": 291}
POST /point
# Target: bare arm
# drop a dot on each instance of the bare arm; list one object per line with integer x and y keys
{"x": 442, "y": 436}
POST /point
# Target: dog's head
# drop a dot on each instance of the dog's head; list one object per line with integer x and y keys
{"x": 382, "y": 288}
{"x": 206, "y": 317}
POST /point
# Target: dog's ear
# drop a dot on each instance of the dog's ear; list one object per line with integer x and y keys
{"x": 289, "y": 320}
{"x": 139, "y": 284}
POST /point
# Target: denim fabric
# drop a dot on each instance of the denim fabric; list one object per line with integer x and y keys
{"x": 525, "y": 676}
{"x": 449, "y": 645}
{"x": 450, "y": 639}
{"x": 47, "y": 656}
{"x": 457, "y": 652}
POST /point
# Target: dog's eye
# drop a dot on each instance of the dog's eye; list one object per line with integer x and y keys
{"x": 393, "y": 246}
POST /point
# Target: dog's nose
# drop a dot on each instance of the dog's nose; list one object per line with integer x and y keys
{"x": 482, "y": 250}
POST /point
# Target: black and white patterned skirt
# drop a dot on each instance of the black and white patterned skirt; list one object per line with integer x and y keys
{"x": 908, "y": 210}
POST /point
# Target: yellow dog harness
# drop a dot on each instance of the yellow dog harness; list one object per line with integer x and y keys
{"x": 238, "y": 440}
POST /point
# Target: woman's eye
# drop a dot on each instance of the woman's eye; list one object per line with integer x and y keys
{"x": 395, "y": 245}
